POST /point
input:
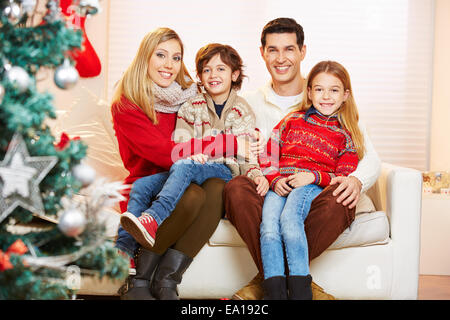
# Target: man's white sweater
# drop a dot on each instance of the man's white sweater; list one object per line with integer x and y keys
{"x": 268, "y": 114}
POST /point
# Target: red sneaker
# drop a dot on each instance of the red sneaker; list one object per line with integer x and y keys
{"x": 143, "y": 229}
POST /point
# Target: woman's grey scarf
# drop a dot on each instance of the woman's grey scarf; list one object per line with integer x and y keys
{"x": 170, "y": 99}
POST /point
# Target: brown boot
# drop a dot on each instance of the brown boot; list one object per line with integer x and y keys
{"x": 169, "y": 274}
{"x": 319, "y": 293}
{"x": 138, "y": 286}
{"x": 252, "y": 290}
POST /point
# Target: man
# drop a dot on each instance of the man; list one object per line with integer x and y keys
{"x": 283, "y": 50}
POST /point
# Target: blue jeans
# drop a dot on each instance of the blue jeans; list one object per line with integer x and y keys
{"x": 159, "y": 194}
{"x": 283, "y": 222}
{"x": 140, "y": 199}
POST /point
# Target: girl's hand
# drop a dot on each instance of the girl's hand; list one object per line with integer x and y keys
{"x": 262, "y": 185}
{"x": 258, "y": 144}
{"x": 282, "y": 188}
{"x": 200, "y": 157}
{"x": 300, "y": 179}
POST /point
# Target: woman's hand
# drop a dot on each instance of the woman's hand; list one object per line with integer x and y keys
{"x": 300, "y": 179}
{"x": 282, "y": 188}
{"x": 200, "y": 157}
{"x": 262, "y": 185}
{"x": 349, "y": 189}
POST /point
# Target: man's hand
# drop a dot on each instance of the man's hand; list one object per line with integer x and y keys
{"x": 262, "y": 185}
{"x": 282, "y": 188}
{"x": 200, "y": 157}
{"x": 300, "y": 179}
{"x": 349, "y": 189}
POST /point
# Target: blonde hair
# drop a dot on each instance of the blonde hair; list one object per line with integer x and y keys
{"x": 348, "y": 112}
{"x": 136, "y": 84}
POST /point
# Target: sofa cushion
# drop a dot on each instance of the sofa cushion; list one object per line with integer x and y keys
{"x": 364, "y": 204}
{"x": 226, "y": 235}
{"x": 367, "y": 229}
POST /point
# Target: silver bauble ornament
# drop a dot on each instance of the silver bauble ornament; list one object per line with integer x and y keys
{"x": 13, "y": 12}
{"x": 84, "y": 173}
{"x": 28, "y": 6}
{"x": 53, "y": 12}
{"x": 89, "y": 7}
{"x": 72, "y": 222}
{"x": 66, "y": 76}
{"x": 18, "y": 77}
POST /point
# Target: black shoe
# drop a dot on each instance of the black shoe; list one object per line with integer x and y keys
{"x": 275, "y": 288}
{"x": 138, "y": 287}
{"x": 299, "y": 287}
{"x": 169, "y": 274}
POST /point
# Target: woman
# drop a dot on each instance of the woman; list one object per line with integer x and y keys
{"x": 144, "y": 111}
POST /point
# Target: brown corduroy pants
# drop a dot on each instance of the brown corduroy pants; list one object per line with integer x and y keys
{"x": 326, "y": 220}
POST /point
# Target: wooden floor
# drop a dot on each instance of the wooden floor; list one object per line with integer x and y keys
{"x": 434, "y": 287}
{"x": 430, "y": 288}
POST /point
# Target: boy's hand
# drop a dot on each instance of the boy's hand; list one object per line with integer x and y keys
{"x": 282, "y": 188}
{"x": 258, "y": 144}
{"x": 262, "y": 185}
{"x": 244, "y": 149}
{"x": 300, "y": 179}
{"x": 200, "y": 157}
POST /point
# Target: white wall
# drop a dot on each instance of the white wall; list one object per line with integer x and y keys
{"x": 440, "y": 129}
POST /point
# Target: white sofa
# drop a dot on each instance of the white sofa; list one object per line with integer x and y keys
{"x": 376, "y": 258}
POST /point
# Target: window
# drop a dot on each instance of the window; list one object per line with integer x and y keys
{"x": 387, "y": 46}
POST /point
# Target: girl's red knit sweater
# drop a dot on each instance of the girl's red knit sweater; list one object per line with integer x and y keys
{"x": 147, "y": 149}
{"x": 309, "y": 142}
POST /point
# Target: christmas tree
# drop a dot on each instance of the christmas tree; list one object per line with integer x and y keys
{"x": 49, "y": 201}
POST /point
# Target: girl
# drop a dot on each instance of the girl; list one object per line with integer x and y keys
{"x": 144, "y": 115}
{"x": 216, "y": 111}
{"x": 306, "y": 150}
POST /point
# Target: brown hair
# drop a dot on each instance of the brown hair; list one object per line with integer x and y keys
{"x": 228, "y": 55}
{"x": 283, "y": 25}
{"x": 348, "y": 112}
{"x": 136, "y": 84}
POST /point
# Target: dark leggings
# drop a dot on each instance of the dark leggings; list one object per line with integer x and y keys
{"x": 194, "y": 219}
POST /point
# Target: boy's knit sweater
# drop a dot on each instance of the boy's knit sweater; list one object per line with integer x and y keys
{"x": 309, "y": 142}
{"x": 197, "y": 118}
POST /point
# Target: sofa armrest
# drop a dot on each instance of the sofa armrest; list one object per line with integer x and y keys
{"x": 398, "y": 192}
